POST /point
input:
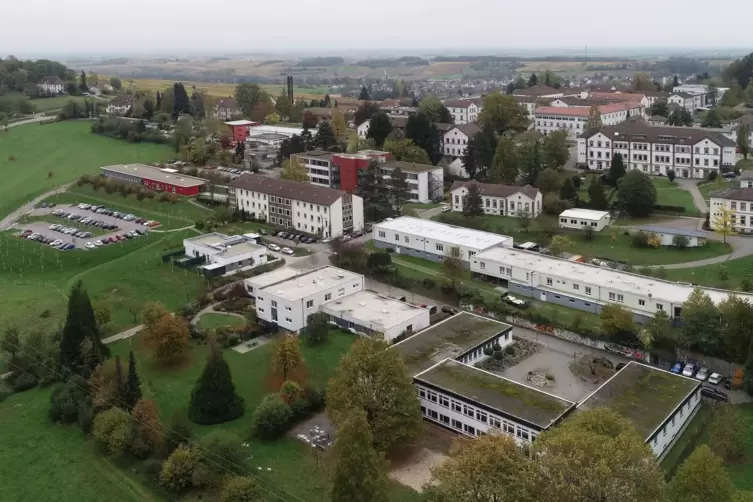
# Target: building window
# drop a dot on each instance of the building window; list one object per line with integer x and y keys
{"x": 642, "y": 302}
{"x": 273, "y": 303}
{"x": 548, "y": 281}
{"x": 309, "y": 304}
{"x": 620, "y": 299}
{"x": 659, "y": 306}
{"x": 341, "y": 292}
{"x": 381, "y": 233}
{"x": 483, "y": 266}
{"x": 611, "y": 297}
{"x": 576, "y": 287}
{"x": 327, "y": 297}
{"x": 440, "y": 247}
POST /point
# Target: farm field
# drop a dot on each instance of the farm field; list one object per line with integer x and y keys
{"x": 223, "y": 90}
{"x": 46, "y": 157}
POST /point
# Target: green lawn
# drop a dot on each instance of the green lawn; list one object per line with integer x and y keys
{"x": 58, "y": 102}
{"x": 671, "y": 194}
{"x": 66, "y": 150}
{"x": 212, "y": 320}
{"x": 719, "y": 184}
{"x": 43, "y": 461}
{"x": 419, "y": 207}
{"x": 744, "y": 164}
{"x": 727, "y": 275}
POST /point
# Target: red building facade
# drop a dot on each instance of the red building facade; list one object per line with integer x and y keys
{"x": 240, "y": 129}
{"x": 162, "y": 186}
{"x": 348, "y": 164}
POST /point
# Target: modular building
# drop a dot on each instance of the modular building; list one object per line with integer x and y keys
{"x": 155, "y": 178}
{"x": 584, "y": 218}
{"x": 431, "y": 240}
{"x": 225, "y": 255}
{"x": 667, "y": 236}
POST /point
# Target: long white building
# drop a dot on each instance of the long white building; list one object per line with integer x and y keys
{"x": 432, "y": 240}
{"x": 502, "y": 200}
{"x": 297, "y": 206}
{"x": 690, "y": 152}
{"x": 572, "y": 119}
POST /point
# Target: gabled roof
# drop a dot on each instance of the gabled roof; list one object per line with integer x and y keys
{"x": 458, "y": 103}
{"x": 229, "y": 103}
{"x": 289, "y": 189}
{"x": 122, "y": 101}
{"x": 537, "y": 90}
{"x": 53, "y": 80}
{"x": 494, "y": 190}
{"x": 469, "y": 129}
{"x": 635, "y": 130}
{"x": 745, "y": 194}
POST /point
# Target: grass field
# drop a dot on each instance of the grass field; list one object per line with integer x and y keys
{"x": 212, "y": 320}
{"x": 44, "y": 461}
{"x": 671, "y": 194}
{"x": 727, "y": 275}
{"x": 712, "y": 186}
{"x": 64, "y": 149}
{"x": 223, "y": 90}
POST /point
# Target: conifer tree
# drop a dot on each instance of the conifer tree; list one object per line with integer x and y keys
{"x": 132, "y": 392}
{"x": 120, "y": 382}
{"x": 80, "y": 327}
{"x": 213, "y": 398}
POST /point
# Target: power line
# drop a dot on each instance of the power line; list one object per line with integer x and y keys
{"x": 283, "y": 495}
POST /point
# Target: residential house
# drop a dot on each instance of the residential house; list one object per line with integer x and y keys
{"x": 463, "y": 111}
{"x": 120, "y": 105}
{"x": 226, "y": 109}
{"x": 502, "y": 200}
{"x": 51, "y": 85}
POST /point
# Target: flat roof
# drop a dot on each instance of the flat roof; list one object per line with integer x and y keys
{"x": 673, "y": 231}
{"x": 513, "y": 398}
{"x": 281, "y": 274}
{"x": 616, "y": 280}
{"x": 586, "y": 214}
{"x": 646, "y": 396}
{"x": 449, "y": 338}
{"x": 211, "y": 239}
{"x": 156, "y": 174}
{"x": 375, "y": 311}
{"x": 408, "y": 167}
{"x": 239, "y": 249}
{"x": 306, "y": 283}
{"x": 458, "y": 236}
{"x": 240, "y": 122}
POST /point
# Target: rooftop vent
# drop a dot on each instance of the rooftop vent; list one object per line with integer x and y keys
{"x": 300, "y": 285}
{"x": 362, "y": 304}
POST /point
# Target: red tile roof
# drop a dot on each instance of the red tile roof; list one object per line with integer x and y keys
{"x": 584, "y": 111}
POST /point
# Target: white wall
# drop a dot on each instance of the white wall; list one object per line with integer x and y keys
{"x": 743, "y": 213}
{"x": 505, "y": 206}
{"x": 417, "y": 323}
{"x": 258, "y": 255}
{"x": 358, "y": 221}
{"x": 581, "y": 223}
{"x": 667, "y": 434}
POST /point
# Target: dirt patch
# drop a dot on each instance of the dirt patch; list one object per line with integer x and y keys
{"x": 594, "y": 369}
{"x": 515, "y": 353}
{"x": 316, "y": 430}
{"x": 415, "y": 470}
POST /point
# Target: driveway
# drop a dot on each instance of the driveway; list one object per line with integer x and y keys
{"x": 692, "y": 187}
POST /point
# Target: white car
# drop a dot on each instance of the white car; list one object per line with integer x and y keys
{"x": 688, "y": 370}
{"x": 56, "y": 242}
{"x": 512, "y": 300}
{"x": 327, "y": 240}
{"x": 446, "y": 208}
{"x": 287, "y": 251}
{"x": 98, "y": 243}
{"x": 90, "y": 245}
{"x": 273, "y": 247}
{"x": 702, "y": 374}
{"x": 715, "y": 378}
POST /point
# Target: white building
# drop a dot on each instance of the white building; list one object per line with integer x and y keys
{"x": 703, "y": 96}
{"x": 368, "y": 313}
{"x": 572, "y": 119}
{"x": 51, "y": 85}
{"x": 503, "y": 200}
{"x": 746, "y": 179}
{"x": 432, "y": 240}
{"x": 463, "y": 111}
{"x": 660, "y": 404}
{"x": 582, "y": 286}
{"x": 542, "y": 91}
{"x": 255, "y": 131}
{"x": 690, "y": 152}
{"x": 120, "y": 105}
{"x": 695, "y": 238}
{"x": 460, "y": 397}
{"x": 686, "y": 100}
{"x": 426, "y": 182}
{"x": 288, "y": 296}
{"x": 584, "y": 218}
{"x": 455, "y": 140}
{"x": 225, "y": 255}
{"x": 737, "y": 200}
{"x": 226, "y": 109}
{"x": 303, "y": 207}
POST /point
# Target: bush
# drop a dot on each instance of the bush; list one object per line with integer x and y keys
{"x": 223, "y": 451}
{"x": 271, "y": 418}
{"x": 712, "y": 175}
{"x": 510, "y": 350}
{"x": 22, "y": 381}
{"x": 588, "y": 234}
{"x": 429, "y": 283}
{"x": 488, "y": 351}
{"x": 177, "y": 471}
{"x": 112, "y": 431}
{"x": 680, "y": 241}
{"x": 499, "y": 356}
{"x": 640, "y": 240}
{"x": 66, "y": 401}
{"x": 177, "y": 433}
{"x": 238, "y": 489}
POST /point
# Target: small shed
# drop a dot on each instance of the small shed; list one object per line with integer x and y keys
{"x": 667, "y": 235}
{"x": 584, "y": 218}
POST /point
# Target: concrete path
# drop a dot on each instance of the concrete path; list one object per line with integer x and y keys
{"x": 37, "y": 118}
{"x": 692, "y": 187}
{"x": 124, "y": 334}
{"x": 209, "y": 309}
{"x": 9, "y": 220}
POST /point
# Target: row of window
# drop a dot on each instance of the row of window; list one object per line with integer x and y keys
{"x": 657, "y": 147}
{"x": 743, "y": 206}
{"x": 582, "y": 223}
{"x": 613, "y": 297}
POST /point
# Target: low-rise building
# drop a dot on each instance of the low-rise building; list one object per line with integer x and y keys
{"x": 463, "y": 111}
{"x": 739, "y": 204}
{"x": 155, "y": 178}
{"x": 746, "y": 179}
{"x": 455, "y": 140}
{"x": 464, "y": 399}
{"x": 689, "y": 152}
{"x": 225, "y": 255}
{"x": 51, "y": 85}
{"x": 502, "y": 200}
{"x": 660, "y": 404}
{"x": 226, "y": 109}
{"x": 369, "y": 313}
{"x": 584, "y": 218}
{"x": 287, "y": 297}
{"x": 303, "y": 207}
{"x": 572, "y": 119}
{"x": 240, "y": 129}
{"x": 120, "y": 105}
{"x": 668, "y": 236}
{"x": 432, "y": 240}
{"x": 541, "y": 91}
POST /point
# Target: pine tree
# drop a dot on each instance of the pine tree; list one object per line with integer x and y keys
{"x": 120, "y": 381}
{"x": 617, "y": 169}
{"x": 472, "y": 202}
{"x": 469, "y": 159}
{"x": 132, "y": 392}
{"x": 82, "y": 82}
{"x": 80, "y": 327}
{"x": 307, "y": 138}
{"x": 364, "y": 96}
{"x": 325, "y": 136}
{"x": 534, "y": 80}
{"x": 181, "y": 103}
{"x": 399, "y": 189}
{"x": 596, "y": 195}
{"x": 568, "y": 191}
{"x": 159, "y": 101}
{"x": 213, "y": 398}
{"x": 240, "y": 149}
{"x": 360, "y": 473}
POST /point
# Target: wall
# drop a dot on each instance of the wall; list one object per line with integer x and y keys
{"x": 417, "y": 323}
{"x": 661, "y": 441}
{"x": 412, "y": 252}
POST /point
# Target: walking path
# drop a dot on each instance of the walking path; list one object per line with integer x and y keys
{"x": 36, "y": 118}
{"x": 124, "y": 334}
{"x": 209, "y": 309}
{"x": 692, "y": 187}
{"x": 9, "y": 220}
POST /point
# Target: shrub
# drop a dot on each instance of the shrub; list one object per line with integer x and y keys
{"x": 488, "y": 351}
{"x": 112, "y": 431}
{"x": 510, "y": 350}
{"x": 177, "y": 471}
{"x": 746, "y": 285}
{"x": 712, "y": 175}
{"x": 23, "y": 381}
{"x": 238, "y": 489}
{"x": 588, "y": 234}
{"x": 671, "y": 175}
{"x": 640, "y": 240}
{"x": 223, "y": 451}
{"x": 499, "y": 356}
{"x": 429, "y": 283}
{"x": 178, "y": 432}
{"x": 66, "y": 401}
{"x": 271, "y": 418}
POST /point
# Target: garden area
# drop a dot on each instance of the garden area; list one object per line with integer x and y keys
{"x": 213, "y": 320}
{"x": 669, "y": 193}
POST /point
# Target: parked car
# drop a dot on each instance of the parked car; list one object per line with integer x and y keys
{"x": 327, "y": 240}
{"x": 273, "y": 247}
{"x": 90, "y": 245}
{"x": 688, "y": 371}
{"x": 702, "y": 374}
{"x": 446, "y": 208}
{"x": 714, "y": 394}
{"x": 715, "y": 378}
{"x": 287, "y": 251}
{"x": 449, "y": 310}
{"x": 516, "y": 302}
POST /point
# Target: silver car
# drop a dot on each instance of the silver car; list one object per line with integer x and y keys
{"x": 702, "y": 374}
{"x": 688, "y": 370}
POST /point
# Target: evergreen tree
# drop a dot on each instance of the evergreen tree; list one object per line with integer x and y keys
{"x": 472, "y": 202}
{"x": 325, "y": 136}
{"x": 307, "y": 139}
{"x": 148, "y": 109}
{"x": 423, "y": 133}
{"x": 80, "y": 327}
{"x": 82, "y": 82}
{"x": 213, "y": 398}
{"x": 617, "y": 169}
{"x": 596, "y": 194}
{"x": 534, "y": 80}
{"x": 530, "y": 157}
{"x": 399, "y": 189}
{"x": 132, "y": 392}
{"x": 469, "y": 159}
{"x": 240, "y": 149}
{"x": 360, "y": 472}
{"x": 327, "y": 102}
{"x": 181, "y": 103}
{"x": 159, "y": 101}
{"x": 568, "y": 191}
{"x": 379, "y": 128}
{"x": 504, "y": 167}
{"x": 364, "y": 96}
{"x": 374, "y": 191}
{"x": 748, "y": 375}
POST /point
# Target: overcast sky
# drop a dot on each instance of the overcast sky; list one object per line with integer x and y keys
{"x": 185, "y": 26}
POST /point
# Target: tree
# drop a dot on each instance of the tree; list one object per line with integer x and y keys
{"x": 373, "y": 188}
{"x": 198, "y": 104}
{"x": 680, "y": 117}
{"x": 286, "y": 357}
{"x": 470, "y": 158}
{"x": 373, "y": 379}
{"x": 182, "y": 133}
{"x": 147, "y": 428}
{"x": 748, "y": 373}
{"x": 116, "y": 83}
{"x": 568, "y": 191}
{"x": 727, "y": 433}
{"x": 533, "y": 80}
{"x": 309, "y": 120}
{"x": 555, "y": 149}
{"x": 712, "y": 119}
{"x": 530, "y": 158}
{"x": 452, "y": 266}
{"x": 434, "y": 110}
{"x": 616, "y": 320}
{"x": 339, "y": 124}
{"x": 560, "y": 244}
{"x": 405, "y": 150}
{"x": 82, "y": 85}
{"x": 399, "y": 189}
{"x": 317, "y": 328}
{"x": 379, "y": 128}
{"x": 593, "y": 123}
{"x": 68, "y": 400}
{"x": 504, "y": 168}
{"x": 213, "y": 398}
{"x": 660, "y": 107}
{"x": 579, "y": 455}
{"x": 112, "y": 431}
{"x": 364, "y": 112}
{"x": 177, "y": 471}
{"x": 472, "y": 202}
{"x": 271, "y": 418}
{"x": 596, "y": 194}
{"x": 168, "y": 338}
{"x": 249, "y": 96}
{"x": 659, "y": 328}
{"x": 424, "y": 134}
{"x": 701, "y": 478}
{"x": 616, "y": 169}
{"x": 502, "y": 113}
{"x": 360, "y": 472}
{"x": 102, "y": 313}
{"x": 487, "y": 468}
{"x": 325, "y": 137}
{"x": 4, "y": 120}
{"x": 364, "y": 96}
{"x": 723, "y": 222}
{"x": 294, "y": 170}
{"x": 702, "y": 324}
{"x": 737, "y": 326}
{"x": 671, "y": 175}
{"x": 80, "y": 327}
{"x": 11, "y": 343}
{"x": 181, "y": 103}
{"x": 636, "y": 193}
{"x": 743, "y": 140}
{"x": 132, "y": 390}
{"x": 239, "y": 489}
{"x": 548, "y": 181}
{"x": 224, "y": 452}
{"x": 642, "y": 82}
